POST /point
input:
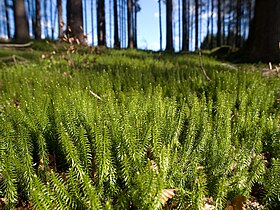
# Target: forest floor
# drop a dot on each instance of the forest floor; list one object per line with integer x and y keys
{"x": 87, "y": 127}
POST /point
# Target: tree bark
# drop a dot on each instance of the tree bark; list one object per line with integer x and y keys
{"x": 219, "y": 25}
{"x": 101, "y": 26}
{"x": 169, "y": 30}
{"x": 21, "y": 23}
{"x": 179, "y": 23}
{"x": 196, "y": 24}
{"x": 185, "y": 46}
{"x": 75, "y": 19}
{"x": 264, "y": 37}
{"x": 92, "y": 23}
{"x": 7, "y": 19}
{"x": 160, "y": 26}
{"x": 136, "y": 10}
{"x": 38, "y": 20}
{"x": 60, "y": 20}
{"x": 129, "y": 25}
{"x": 238, "y": 24}
{"x": 212, "y": 24}
{"x": 116, "y": 26}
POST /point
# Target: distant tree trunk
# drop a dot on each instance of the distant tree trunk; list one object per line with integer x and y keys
{"x": 38, "y": 20}
{"x": 196, "y": 24}
{"x": 179, "y": 23}
{"x": 238, "y": 24}
{"x": 75, "y": 19}
{"x": 46, "y": 31}
{"x": 60, "y": 20}
{"x": 92, "y": 24}
{"x": 129, "y": 25}
{"x": 21, "y": 23}
{"x": 136, "y": 10}
{"x": 116, "y": 26}
{"x": 169, "y": 31}
{"x": 223, "y": 23}
{"x": 185, "y": 46}
{"x": 30, "y": 14}
{"x": 85, "y": 15}
{"x": 230, "y": 19}
{"x": 264, "y": 37}
{"x": 101, "y": 26}
{"x": 52, "y": 19}
{"x": 110, "y": 22}
{"x": 208, "y": 24}
{"x": 160, "y": 27}
{"x": 219, "y": 25}
{"x": 212, "y": 24}
{"x": 7, "y": 19}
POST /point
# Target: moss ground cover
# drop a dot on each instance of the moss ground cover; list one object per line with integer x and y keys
{"x": 113, "y": 130}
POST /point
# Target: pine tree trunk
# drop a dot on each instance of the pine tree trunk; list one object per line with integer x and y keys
{"x": 264, "y": 37}
{"x": 238, "y": 24}
{"x": 7, "y": 19}
{"x": 101, "y": 26}
{"x": 38, "y": 20}
{"x": 196, "y": 24}
{"x": 116, "y": 26}
{"x": 219, "y": 25}
{"x": 169, "y": 31}
{"x": 92, "y": 23}
{"x": 75, "y": 19}
{"x": 129, "y": 25}
{"x": 179, "y": 23}
{"x": 160, "y": 27}
{"x": 212, "y": 25}
{"x": 60, "y": 20}
{"x": 21, "y": 23}
{"x": 135, "y": 23}
{"x": 185, "y": 46}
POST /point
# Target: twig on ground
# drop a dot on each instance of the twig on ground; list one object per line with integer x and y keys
{"x": 16, "y": 45}
{"x": 202, "y": 67}
{"x": 15, "y": 59}
{"x": 95, "y": 95}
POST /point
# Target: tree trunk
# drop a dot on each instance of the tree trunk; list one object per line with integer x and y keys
{"x": 179, "y": 23}
{"x": 196, "y": 24}
{"x": 212, "y": 24}
{"x": 116, "y": 26}
{"x": 7, "y": 19}
{"x": 92, "y": 23}
{"x": 136, "y": 10}
{"x": 60, "y": 20}
{"x": 46, "y": 31}
{"x": 129, "y": 25}
{"x": 238, "y": 24}
{"x": 38, "y": 20}
{"x": 169, "y": 31}
{"x": 75, "y": 19}
{"x": 101, "y": 26}
{"x": 219, "y": 25}
{"x": 160, "y": 27}
{"x": 21, "y": 23}
{"x": 185, "y": 46}
{"x": 264, "y": 37}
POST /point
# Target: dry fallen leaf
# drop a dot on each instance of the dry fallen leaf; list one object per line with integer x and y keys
{"x": 237, "y": 203}
{"x": 166, "y": 194}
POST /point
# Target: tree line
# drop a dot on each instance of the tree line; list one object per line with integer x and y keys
{"x": 250, "y": 24}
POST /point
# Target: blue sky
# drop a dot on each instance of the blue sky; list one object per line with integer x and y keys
{"x": 148, "y": 25}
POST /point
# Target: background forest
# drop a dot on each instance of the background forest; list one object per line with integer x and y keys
{"x": 225, "y": 22}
